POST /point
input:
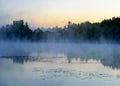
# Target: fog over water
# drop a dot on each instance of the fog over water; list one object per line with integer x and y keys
{"x": 36, "y": 48}
{"x": 105, "y": 52}
{"x": 59, "y": 63}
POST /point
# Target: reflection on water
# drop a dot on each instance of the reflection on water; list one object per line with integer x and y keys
{"x": 51, "y": 64}
{"x": 112, "y": 61}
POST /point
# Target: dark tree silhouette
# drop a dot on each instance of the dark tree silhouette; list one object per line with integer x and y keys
{"x": 108, "y": 29}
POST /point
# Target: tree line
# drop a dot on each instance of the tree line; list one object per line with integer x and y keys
{"x": 108, "y": 29}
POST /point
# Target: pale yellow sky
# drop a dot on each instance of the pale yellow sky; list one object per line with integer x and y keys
{"x": 50, "y": 13}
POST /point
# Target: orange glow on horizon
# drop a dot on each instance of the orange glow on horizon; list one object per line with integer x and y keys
{"x": 63, "y": 21}
{"x": 51, "y": 13}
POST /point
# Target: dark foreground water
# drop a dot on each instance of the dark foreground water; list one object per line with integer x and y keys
{"x": 59, "y": 64}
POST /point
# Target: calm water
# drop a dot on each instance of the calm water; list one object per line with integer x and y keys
{"x": 59, "y": 64}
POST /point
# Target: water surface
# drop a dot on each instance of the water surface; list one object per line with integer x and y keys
{"x": 59, "y": 64}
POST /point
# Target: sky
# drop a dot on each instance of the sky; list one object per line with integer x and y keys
{"x": 51, "y": 13}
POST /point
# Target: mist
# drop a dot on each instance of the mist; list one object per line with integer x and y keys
{"x": 99, "y": 41}
{"x": 107, "y": 30}
{"x": 53, "y": 45}
{"x": 106, "y": 53}
{"x": 84, "y": 49}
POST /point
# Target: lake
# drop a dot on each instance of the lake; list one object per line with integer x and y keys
{"x": 59, "y": 64}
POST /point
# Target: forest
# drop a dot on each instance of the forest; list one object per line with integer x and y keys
{"x": 106, "y": 30}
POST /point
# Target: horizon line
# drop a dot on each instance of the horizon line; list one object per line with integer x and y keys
{"x": 43, "y": 27}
